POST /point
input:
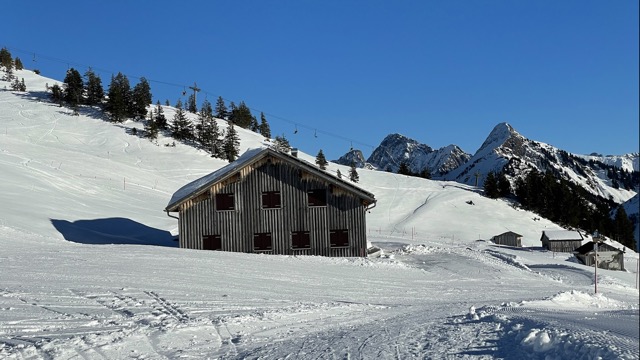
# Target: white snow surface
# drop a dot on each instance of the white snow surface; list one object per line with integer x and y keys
{"x": 89, "y": 268}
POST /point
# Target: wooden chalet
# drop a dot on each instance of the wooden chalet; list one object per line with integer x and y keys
{"x": 272, "y": 202}
{"x": 509, "y": 238}
{"x": 561, "y": 240}
{"x": 610, "y": 257}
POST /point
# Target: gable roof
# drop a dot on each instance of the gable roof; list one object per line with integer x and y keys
{"x": 509, "y": 233}
{"x": 603, "y": 246}
{"x": 252, "y": 156}
{"x": 557, "y": 235}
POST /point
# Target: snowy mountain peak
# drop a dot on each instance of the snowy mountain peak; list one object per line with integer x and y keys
{"x": 501, "y": 134}
{"x": 396, "y": 148}
{"x": 354, "y": 156}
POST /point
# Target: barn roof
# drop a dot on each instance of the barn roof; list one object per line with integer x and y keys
{"x": 562, "y": 235}
{"x": 510, "y": 233}
{"x": 249, "y": 157}
{"x": 604, "y": 246}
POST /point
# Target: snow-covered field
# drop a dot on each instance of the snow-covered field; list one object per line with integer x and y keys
{"x": 89, "y": 268}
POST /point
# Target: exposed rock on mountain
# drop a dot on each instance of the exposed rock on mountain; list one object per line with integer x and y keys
{"x": 505, "y": 150}
{"x": 396, "y": 148}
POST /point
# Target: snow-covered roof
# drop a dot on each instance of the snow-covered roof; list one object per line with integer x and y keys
{"x": 562, "y": 235}
{"x": 250, "y": 156}
{"x": 606, "y": 245}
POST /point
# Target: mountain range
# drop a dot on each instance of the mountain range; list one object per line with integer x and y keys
{"x": 506, "y": 151}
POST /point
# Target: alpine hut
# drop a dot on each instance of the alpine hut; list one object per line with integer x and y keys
{"x": 561, "y": 240}
{"x": 508, "y": 238}
{"x": 268, "y": 201}
{"x": 610, "y": 255}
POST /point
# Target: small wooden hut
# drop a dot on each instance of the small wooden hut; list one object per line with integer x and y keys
{"x": 610, "y": 257}
{"x": 268, "y": 201}
{"x": 561, "y": 240}
{"x": 509, "y": 238}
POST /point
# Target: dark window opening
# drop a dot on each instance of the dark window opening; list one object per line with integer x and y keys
{"x": 317, "y": 197}
{"x": 225, "y": 202}
{"x": 271, "y": 200}
{"x": 211, "y": 242}
{"x": 262, "y": 242}
{"x": 300, "y": 240}
{"x": 339, "y": 238}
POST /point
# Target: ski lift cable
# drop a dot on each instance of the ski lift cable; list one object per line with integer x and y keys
{"x": 102, "y": 70}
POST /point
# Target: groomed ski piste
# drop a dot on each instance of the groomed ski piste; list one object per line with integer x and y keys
{"x": 89, "y": 268}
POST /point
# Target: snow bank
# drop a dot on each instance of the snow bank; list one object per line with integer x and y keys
{"x": 578, "y": 300}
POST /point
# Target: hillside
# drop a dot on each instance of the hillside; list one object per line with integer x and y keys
{"x": 507, "y": 150}
{"x": 89, "y": 267}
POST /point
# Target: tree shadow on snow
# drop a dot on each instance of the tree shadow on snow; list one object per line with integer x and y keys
{"x": 113, "y": 231}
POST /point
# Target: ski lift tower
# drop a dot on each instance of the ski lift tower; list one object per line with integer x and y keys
{"x": 195, "y": 89}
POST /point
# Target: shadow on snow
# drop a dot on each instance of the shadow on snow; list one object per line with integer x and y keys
{"x": 113, "y": 231}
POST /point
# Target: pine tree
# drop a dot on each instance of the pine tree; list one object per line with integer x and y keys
{"x": 74, "y": 87}
{"x": 140, "y": 98}
{"x": 425, "y": 173}
{"x": 353, "y": 173}
{"x": 159, "y": 118}
{"x": 56, "y": 94}
{"x": 192, "y": 107}
{"x": 255, "y": 127}
{"x": 203, "y": 128}
{"x": 403, "y": 169}
{"x": 167, "y": 103}
{"x": 624, "y": 228}
{"x": 321, "y": 160}
{"x": 209, "y": 132}
{"x": 281, "y": 144}
{"x": 182, "y": 128}
{"x": 231, "y": 143}
{"x": 18, "y": 85}
{"x": 151, "y": 129}
{"x": 265, "y": 130}
{"x": 93, "y": 88}
{"x": 5, "y": 59}
{"x": 18, "y": 64}
{"x": 119, "y": 99}
{"x": 504, "y": 186}
{"x": 491, "y": 186}
{"x": 338, "y": 174}
{"x": 241, "y": 115}
{"x": 221, "y": 109}
{"x": 231, "y": 112}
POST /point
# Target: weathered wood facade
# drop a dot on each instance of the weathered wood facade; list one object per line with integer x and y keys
{"x": 272, "y": 202}
{"x": 509, "y": 238}
{"x": 561, "y": 240}
{"x": 609, "y": 257}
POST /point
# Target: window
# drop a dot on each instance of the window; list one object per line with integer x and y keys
{"x": 225, "y": 202}
{"x": 211, "y": 242}
{"x": 317, "y": 197}
{"x": 262, "y": 242}
{"x": 271, "y": 200}
{"x": 300, "y": 240}
{"x": 339, "y": 238}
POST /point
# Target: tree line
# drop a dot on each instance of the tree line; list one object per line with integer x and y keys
{"x": 564, "y": 202}
{"x": 8, "y": 64}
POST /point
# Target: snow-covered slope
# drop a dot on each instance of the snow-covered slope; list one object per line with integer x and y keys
{"x": 396, "y": 148}
{"x": 627, "y": 162}
{"x": 82, "y": 200}
{"x": 506, "y": 150}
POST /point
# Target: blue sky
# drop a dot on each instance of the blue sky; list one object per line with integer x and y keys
{"x": 351, "y": 72}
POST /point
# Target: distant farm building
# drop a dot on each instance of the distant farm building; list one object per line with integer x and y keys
{"x": 271, "y": 202}
{"x": 509, "y": 238}
{"x": 561, "y": 240}
{"x": 609, "y": 256}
